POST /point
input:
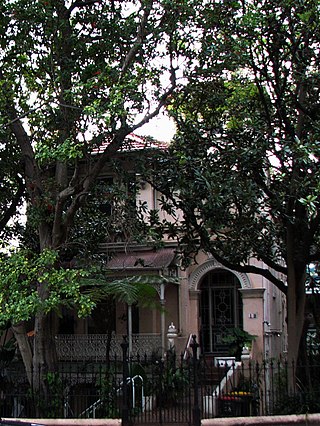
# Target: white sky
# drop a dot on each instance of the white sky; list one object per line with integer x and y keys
{"x": 161, "y": 128}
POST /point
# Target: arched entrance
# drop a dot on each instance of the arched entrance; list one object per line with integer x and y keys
{"x": 220, "y": 309}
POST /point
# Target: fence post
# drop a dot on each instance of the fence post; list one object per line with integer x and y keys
{"x": 196, "y": 409}
{"x": 125, "y": 373}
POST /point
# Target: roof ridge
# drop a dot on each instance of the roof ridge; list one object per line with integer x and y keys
{"x": 134, "y": 142}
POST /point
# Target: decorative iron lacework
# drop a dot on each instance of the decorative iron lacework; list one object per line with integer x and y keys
{"x": 93, "y": 347}
{"x": 211, "y": 265}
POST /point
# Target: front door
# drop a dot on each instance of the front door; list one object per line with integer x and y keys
{"x": 220, "y": 309}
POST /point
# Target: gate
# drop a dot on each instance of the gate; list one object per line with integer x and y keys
{"x": 160, "y": 391}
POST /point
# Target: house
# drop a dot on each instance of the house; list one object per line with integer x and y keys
{"x": 206, "y": 299}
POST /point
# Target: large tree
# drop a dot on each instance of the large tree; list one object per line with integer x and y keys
{"x": 76, "y": 76}
{"x": 11, "y": 188}
{"x": 244, "y": 166}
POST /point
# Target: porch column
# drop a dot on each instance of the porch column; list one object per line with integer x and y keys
{"x": 163, "y": 318}
{"x": 253, "y": 316}
{"x": 193, "y": 312}
{"x": 130, "y": 328}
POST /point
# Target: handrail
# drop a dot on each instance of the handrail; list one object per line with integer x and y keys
{"x": 211, "y": 400}
{"x": 186, "y": 352}
{"x": 132, "y": 380}
{"x": 228, "y": 377}
{"x": 92, "y": 408}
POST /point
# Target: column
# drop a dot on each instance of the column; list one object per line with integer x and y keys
{"x": 253, "y": 317}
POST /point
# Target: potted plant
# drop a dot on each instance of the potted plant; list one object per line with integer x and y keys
{"x": 237, "y": 339}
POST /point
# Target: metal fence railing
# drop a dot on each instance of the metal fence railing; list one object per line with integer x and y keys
{"x": 152, "y": 389}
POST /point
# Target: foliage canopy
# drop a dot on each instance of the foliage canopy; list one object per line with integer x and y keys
{"x": 76, "y": 78}
{"x": 244, "y": 166}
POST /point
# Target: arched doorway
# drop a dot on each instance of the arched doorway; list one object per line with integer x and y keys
{"x": 220, "y": 309}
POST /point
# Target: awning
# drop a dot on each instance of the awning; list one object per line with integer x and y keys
{"x": 150, "y": 259}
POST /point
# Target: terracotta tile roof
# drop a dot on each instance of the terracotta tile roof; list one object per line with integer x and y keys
{"x": 142, "y": 260}
{"x": 134, "y": 142}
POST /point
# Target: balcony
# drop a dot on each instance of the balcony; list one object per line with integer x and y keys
{"x": 93, "y": 347}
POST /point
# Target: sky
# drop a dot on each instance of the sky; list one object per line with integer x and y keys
{"x": 161, "y": 128}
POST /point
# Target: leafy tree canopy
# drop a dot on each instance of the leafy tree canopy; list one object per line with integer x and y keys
{"x": 76, "y": 78}
{"x": 244, "y": 166}
{"x": 77, "y": 74}
{"x": 74, "y": 288}
{"x": 22, "y": 270}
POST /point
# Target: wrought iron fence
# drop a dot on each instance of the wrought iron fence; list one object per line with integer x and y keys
{"x": 171, "y": 389}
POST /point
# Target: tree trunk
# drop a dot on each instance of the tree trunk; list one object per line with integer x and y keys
{"x": 296, "y": 298}
{"x": 39, "y": 362}
{"x": 44, "y": 356}
{"x": 295, "y": 320}
{"x": 24, "y": 346}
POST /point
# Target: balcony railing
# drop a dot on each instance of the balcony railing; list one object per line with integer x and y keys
{"x": 93, "y": 347}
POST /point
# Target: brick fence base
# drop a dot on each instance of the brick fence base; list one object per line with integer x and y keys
{"x": 297, "y": 420}
{"x": 67, "y": 422}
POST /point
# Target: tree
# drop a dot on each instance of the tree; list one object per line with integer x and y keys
{"x": 78, "y": 289}
{"x": 75, "y": 77}
{"x": 11, "y": 189}
{"x": 244, "y": 166}
{"x": 22, "y": 273}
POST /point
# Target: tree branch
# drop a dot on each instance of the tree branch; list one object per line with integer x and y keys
{"x": 161, "y": 103}
{"x": 84, "y": 3}
{"x": 273, "y": 265}
{"x": 11, "y": 210}
{"x": 8, "y": 124}
{"x": 139, "y": 40}
{"x": 250, "y": 269}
